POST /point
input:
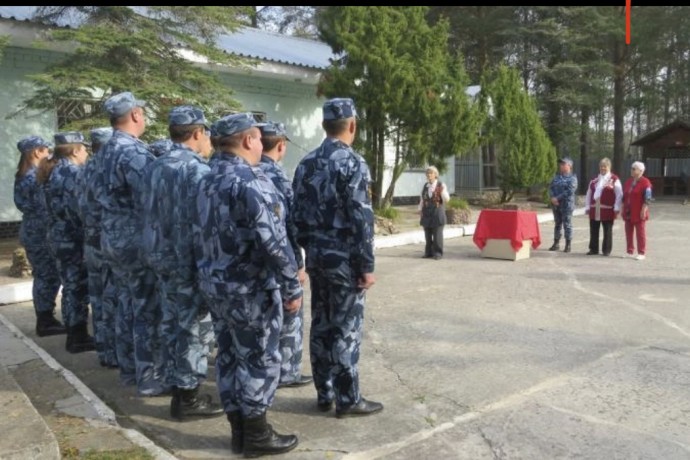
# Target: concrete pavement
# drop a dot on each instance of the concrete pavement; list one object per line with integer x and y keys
{"x": 559, "y": 356}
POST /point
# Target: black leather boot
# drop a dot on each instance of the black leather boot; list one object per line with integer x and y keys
{"x": 188, "y": 403}
{"x": 556, "y": 245}
{"x": 567, "y": 246}
{"x": 235, "y": 419}
{"x": 47, "y": 324}
{"x": 78, "y": 339}
{"x": 260, "y": 439}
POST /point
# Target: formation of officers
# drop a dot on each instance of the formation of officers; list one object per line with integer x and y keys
{"x": 196, "y": 242}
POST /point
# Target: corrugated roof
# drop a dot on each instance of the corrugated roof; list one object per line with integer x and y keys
{"x": 246, "y": 42}
{"x": 274, "y": 47}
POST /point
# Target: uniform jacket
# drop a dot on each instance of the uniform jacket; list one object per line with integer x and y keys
{"x": 170, "y": 185}
{"x": 122, "y": 161}
{"x": 563, "y": 188}
{"x": 284, "y": 186}
{"x": 61, "y": 192}
{"x": 333, "y": 212}
{"x": 29, "y": 199}
{"x": 240, "y": 240}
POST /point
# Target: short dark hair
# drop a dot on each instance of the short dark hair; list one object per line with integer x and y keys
{"x": 335, "y": 127}
{"x": 182, "y": 133}
{"x": 269, "y": 142}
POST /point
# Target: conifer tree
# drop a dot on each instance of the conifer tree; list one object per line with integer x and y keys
{"x": 145, "y": 50}
{"x": 409, "y": 91}
{"x": 526, "y": 156}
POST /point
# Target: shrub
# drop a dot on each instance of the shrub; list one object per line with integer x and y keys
{"x": 457, "y": 203}
{"x": 387, "y": 213}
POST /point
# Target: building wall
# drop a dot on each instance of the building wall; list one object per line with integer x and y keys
{"x": 292, "y": 103}
{"x": 15, "y": 66}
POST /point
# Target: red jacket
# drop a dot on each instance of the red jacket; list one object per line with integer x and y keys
{"x": 634, "y": 198}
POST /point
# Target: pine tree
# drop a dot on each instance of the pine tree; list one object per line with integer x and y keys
{"x": 409, "y": 92}
{"x": 144, "y": 50}
{"x": 526, "y": 155}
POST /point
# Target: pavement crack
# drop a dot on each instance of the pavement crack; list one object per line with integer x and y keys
{"x": 496, "y": 451}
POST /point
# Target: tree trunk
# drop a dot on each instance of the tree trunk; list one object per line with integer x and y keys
{"x": 619, "y": 66}
{"x": 584, "y": 149}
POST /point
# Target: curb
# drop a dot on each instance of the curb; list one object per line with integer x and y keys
{"x": 102, "y": 411}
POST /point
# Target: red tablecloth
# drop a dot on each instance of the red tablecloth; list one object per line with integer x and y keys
{"x": 515, "y": 226}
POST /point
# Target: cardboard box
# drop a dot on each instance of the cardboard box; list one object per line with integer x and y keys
{"x": 501, "y": 249}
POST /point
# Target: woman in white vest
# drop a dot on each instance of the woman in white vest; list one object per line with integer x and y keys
{"x": 603, "y": 205}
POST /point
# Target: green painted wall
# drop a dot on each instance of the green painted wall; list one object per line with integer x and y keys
{"x": 15, "y": 65}
{"x": 294, "y": 104}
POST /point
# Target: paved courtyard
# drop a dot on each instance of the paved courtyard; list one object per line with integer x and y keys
{"x": 560, "y": 356}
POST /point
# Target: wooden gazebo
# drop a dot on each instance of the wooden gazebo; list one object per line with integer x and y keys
{"x": 671, "y": 142}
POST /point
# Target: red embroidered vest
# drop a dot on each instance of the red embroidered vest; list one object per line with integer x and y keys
{"x": 606, "y": 201}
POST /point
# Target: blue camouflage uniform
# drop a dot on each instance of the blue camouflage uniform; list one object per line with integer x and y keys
{"x": 244, "y": 261}
{"x": 170, "y": 188}
{"x": 160, "y": 147}
{"x": 122, "y": 161}
{"x": 292, "y": 333}
{"x": 335, "y": 222}
{"x": 102, "y": 293}
{"x": 563, "y": 188}
{"x": 66, "y": 233}
{"x": 33, "y": 233}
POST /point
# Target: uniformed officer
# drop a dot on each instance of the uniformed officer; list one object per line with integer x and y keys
{"x": 33, "y": 234}
{"x": 102, "y": 295}
{"x": 58, "y": 177}
{"x": 248, "y": 273}
{"x": 170, "y": 188}
{"x": 274, "y": 140}
{"x": 562, "y": 193}
{"x": 122, "y": 161}
{"x": 335, "y": 223}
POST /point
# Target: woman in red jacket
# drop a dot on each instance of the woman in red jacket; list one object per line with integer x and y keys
{"x": 637, "y": 194}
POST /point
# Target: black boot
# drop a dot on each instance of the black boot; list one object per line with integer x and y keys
{"x": 556, "y": 245}
{"x": 186, "y": 403}
{"x": 235, "y": 419}
{"x": 567, "y": 246}
{"x": 260, "y": 439}
{"x": 78, "y": 339}
{"x": 47, "y": 324}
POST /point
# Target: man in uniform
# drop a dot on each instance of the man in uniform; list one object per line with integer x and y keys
{"x": 248, "y": 273}
{"x": 102, "y": 296}
{"x": 274, "y": 140}
{"x": 562, "y": 193}
{"x": 122, "y": 161}
{"x": 170, "y": 187}
{"x": 335, "y": 223}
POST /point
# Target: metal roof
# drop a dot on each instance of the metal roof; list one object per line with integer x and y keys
{"x": 246, "y": 42}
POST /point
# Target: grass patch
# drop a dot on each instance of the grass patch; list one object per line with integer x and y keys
{"x": 388, "y": 213}
{"x": 137, "y": 453}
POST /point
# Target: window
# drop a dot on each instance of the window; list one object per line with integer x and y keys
{"x": 69, "y": 110}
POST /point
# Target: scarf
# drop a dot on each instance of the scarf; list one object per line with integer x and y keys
{"x": 603, "y": 180}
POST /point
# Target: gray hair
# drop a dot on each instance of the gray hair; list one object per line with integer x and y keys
{"x": 638, "y": 165}
{"x": 605, "y": 161}
{"x": 432, "y": 169}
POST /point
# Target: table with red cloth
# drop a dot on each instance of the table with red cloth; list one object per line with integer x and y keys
{"x": 514, "y": 225}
